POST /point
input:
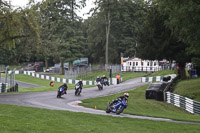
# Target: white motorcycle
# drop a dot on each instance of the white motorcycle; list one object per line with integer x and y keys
{"x": 99, "y": 85}
{"x": 77, "y": 90}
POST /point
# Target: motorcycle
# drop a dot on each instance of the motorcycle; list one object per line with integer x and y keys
{"x": 100, "y": 86}
{"x": 61, "y": 91}
{"x": 117, "y": 107}
{"x": 105, "y": 82}
{"x": 77, "y": 90}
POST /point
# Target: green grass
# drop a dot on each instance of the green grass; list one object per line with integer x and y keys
{"x": 189, "y": 88}
{"x": 42, "y": 82}
{"x": 162, "y": 73}
{"x": 125, "y": 75}
{"x": 138, "y": 105}
{"x": 131, "y": 75}
{"x": 20, "y": 119}
{"x": 92, "y": 76}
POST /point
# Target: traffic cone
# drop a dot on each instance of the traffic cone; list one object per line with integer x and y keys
{"x": 95, "y": 107}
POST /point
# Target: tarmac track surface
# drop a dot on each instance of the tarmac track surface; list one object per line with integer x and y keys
{"x": 70, "y": 102}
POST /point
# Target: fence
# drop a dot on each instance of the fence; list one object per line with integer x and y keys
{"x": 64, "y": 80}
{"x": 2, "y": 69}
{"x": 12, "y": 79}
{"x": 3, "y": 87}
{"x": 69, "y": 81}
{"x": 143, "y": 69}
{"x": 183, "y": 102}
{"x": 84, "y": 72}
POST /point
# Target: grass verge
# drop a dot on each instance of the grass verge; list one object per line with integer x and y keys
{"x": 189, "y": 88}
{"x": 20, "y": 119}
{"x": 42, "y": 82}
{"x": 92, "y": 76}
{"x": 138, "y": 105}
{"x": 162, "y": 73}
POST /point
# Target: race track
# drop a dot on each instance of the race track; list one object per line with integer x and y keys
{"x": 69, "y": 102}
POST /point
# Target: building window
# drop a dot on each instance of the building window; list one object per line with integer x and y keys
{"x": 147, "y": 63}
{"x": 154, "y": 63}
{"x": 142, "y": 63}
{"x": 130, "y": 63}
{"x": 136, "y": 63}
{"x": 133, "y": 63}
{"x": 151, "y": 63}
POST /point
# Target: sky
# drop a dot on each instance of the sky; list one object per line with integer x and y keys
{"x": 82, "y": 13}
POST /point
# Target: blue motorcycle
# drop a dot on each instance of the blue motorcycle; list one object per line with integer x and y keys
{"x": 61, "y": 91}
{"x": 117, "y": 107}
{"x": 105, "y": 82}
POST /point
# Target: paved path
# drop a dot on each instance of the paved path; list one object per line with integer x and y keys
{"x": 69, "y": 102}
{"x": 21, "y": 84}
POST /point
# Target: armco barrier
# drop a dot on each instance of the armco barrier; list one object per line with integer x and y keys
{"x": 3, "y": 87}
{"x": 156, "y": 79}
{"x": 184, "y": 103}
{"x": 63, "y": 80}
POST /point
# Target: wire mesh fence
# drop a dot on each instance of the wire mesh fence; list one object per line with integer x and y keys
{"x": 12, "y": 80}
{"x": 90, "y": 73}
{"x": 2, "y": 69}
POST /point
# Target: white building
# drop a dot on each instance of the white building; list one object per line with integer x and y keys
{"x": 139, "y": 65}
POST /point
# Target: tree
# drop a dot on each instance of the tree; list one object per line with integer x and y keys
{"x": 157, "y": 41}
{"x": 119, "y": 29}
{"x": 62, "y": 29}
{"x": 17, "y": 24}
{"x": 184, "y": 17}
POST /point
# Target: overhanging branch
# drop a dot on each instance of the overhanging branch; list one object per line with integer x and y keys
{"x": 14, "y": 37}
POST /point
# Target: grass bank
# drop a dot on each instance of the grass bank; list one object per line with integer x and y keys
{"x": 162, "y": 73}
{"x": 42, "y": 82}
{"x": 92, "y": 76}
{"x": 189, "y": 88}
{"x": 138, "y": 105}
{"x": 26, "y": 119}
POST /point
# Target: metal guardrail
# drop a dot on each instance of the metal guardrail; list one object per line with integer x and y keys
{"x": 157, "y": 78}
{"x": 184, "y": 103}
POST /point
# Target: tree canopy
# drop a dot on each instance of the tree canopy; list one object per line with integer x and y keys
{"x": 51, "y": 31}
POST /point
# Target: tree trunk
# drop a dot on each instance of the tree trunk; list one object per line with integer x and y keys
{"x": 73, "y": 10}
{"x": 70, "y": 66}
{"x": 46, "y": 62}
{"x": 181, "y": 71}
{"x": 61, "y": 66}
{"x": 108, "y": 20}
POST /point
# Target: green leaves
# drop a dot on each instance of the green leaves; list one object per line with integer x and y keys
{"x": 184, "y": 22}
{"x": 17, "y": 24}
{"x": 125, "y": 18}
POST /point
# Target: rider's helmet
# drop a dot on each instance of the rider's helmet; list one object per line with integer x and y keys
{"x": 97, "y": 76}
{"x": 104, "y": 76}
{"x": 80, "y": 80}
{"x": 126, "y": 95}
{"x": 65, "y": 84}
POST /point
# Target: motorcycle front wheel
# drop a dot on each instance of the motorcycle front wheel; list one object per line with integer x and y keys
{"x": 108, "y": 110}
{"x": 76, "y": 91}
{"x": 59, "y": 95}
{"x": 119, "y": 110}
